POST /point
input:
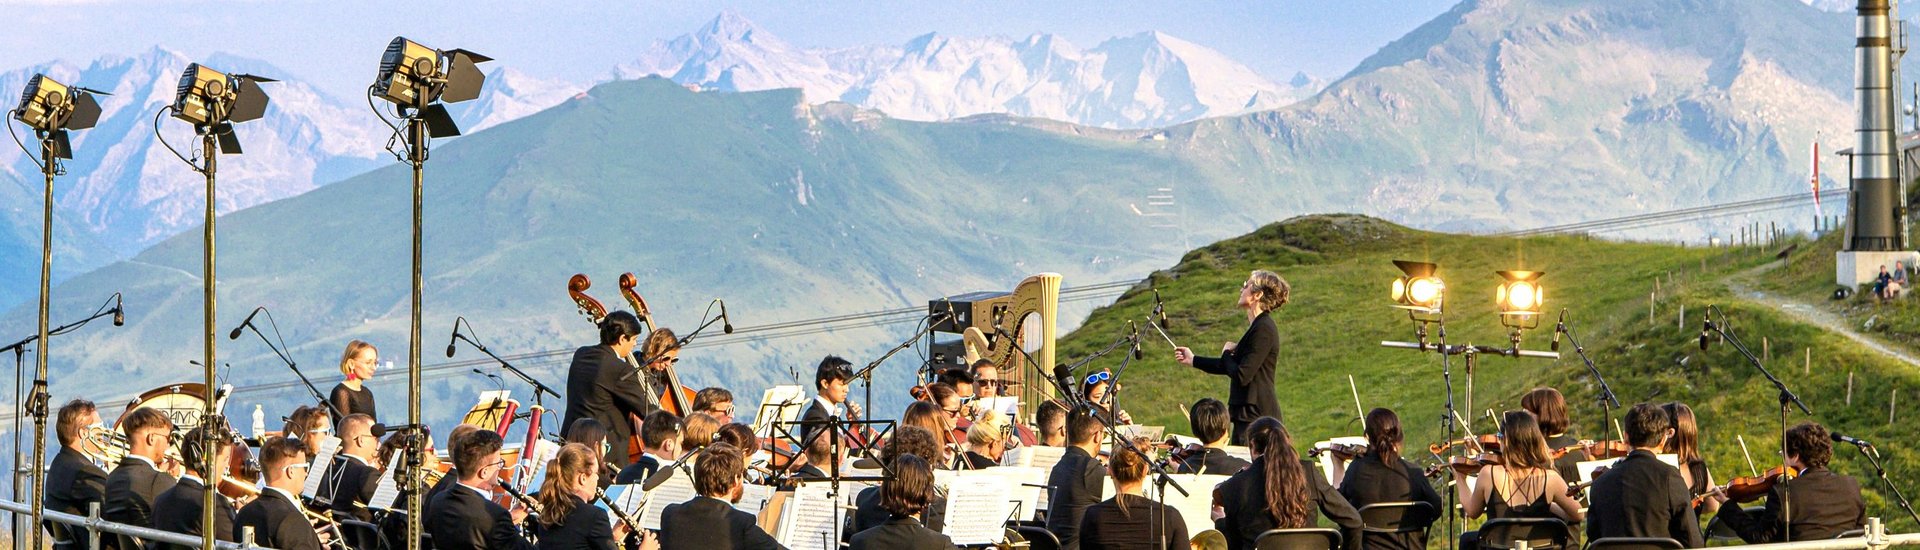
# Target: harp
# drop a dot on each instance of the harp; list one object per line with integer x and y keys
{"x": 1029, "y": 316}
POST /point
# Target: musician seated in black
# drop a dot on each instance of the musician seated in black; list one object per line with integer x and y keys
{"x": 1550, "y": 408}
{"x": 351, "y": 396}
{"x": 1078, "y": 478}
{"x": 660, "y": 435}
{"x": 830, "y": 400}
{"x": 1523, "y": 485}
{"x": 986, "y": 441}
{"x": 393, "y": 464}
{"x": 904, "y": 497}
{"x": 1278, "y": 491}
{"x": 868, "y": 510}
{"x": 134, "y": 484}
{"x": 1684, "y": 445}
{"x": 1816, "y": 505}
{"x": 1096, "y": 389}
{"x": 715, "y": 402}
{"x": 75, "y": 478}
{"x": 1052, "y": 422}
{"x": 1130, "y": 520}
{"x": 590, "y": 432}
{"x": 351, "y": 479}
{"x": 453, "y": 472}
{"x": 465, "y": 516}
{"x": 1382, "y": 476}
{"x": 275, "y": 516}
{"x": 178, "y": 510}
{"x": 310, "y": 425}
{"x": 820, "y": 457}
{"x": 601, "y": 384}
{"x": 1640, "y": 496}
{"x": 1211, "y": 426}
{"x": 710, "y": 520}
{"x": 568, "y": 519}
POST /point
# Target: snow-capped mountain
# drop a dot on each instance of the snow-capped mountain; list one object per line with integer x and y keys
{"x": 510, "y": 94}
{"x": 1833, "y": 5}
{"x": 1145, "y": 80}
{"x": 129, "y": 191}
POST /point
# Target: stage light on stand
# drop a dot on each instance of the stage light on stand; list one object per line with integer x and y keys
{"x": 1420, "y": 291}
{"x": 212, "y": 101}
{"x": 52, "y": 108}
{"x": 1520, "y": 298}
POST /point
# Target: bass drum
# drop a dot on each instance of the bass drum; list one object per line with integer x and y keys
{"x": 182, "y": 403}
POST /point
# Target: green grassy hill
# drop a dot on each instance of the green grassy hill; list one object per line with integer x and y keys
{"x": 1340, "y": 268}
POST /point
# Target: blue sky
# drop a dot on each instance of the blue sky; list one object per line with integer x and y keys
{"x": 337, "y": 44}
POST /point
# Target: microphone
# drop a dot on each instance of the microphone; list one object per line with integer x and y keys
{"x": 1837, "y": 438}
{"x": 119, "y": 311}
{"x": 1559, "y": 328}
{"x": 381, "y": 430}
{"x": 1159, "y": 309}
{"x": 1135, "y": 337}
{"x": 726, "y": 323}
{"x": 235, "y": 335}
{"x": 1706, "y": 330}
{"x": 451, "y": 340}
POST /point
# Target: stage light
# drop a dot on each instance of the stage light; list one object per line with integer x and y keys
{"x": 1419, "y": 290}
{"x": 52, "y": 109}
{"x": 1520, "y": 292}
{"x": 417, "y": 77}
{"x": 213, "y": 100}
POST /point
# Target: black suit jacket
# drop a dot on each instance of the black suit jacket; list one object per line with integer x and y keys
{"x": 868, "y": 514}
{"x": 277, "y": 523}
{"x": 348, "y": 486}
{"x": 706, "y": 523}
{"x": 464, "y": 520}
{"x": 1823, "y": 505}
{"x": 1076, "y": 482}
{"x": 601, "y": 386}
{"x": 130, "y": 491}
{"x": 901, "y": 533}
{"x": 73, "y": 481}
{"x": 178, "y": 511}
{"x": 426, "y": 501}
{"x": 639, "y": 470}
{"x": 1213, "y": 461}
{"x": 1244, "y": 496}
{"x": 586, "y": 528}
{"x": 1640, "y": 496}
{"x": 814, "y": 413}
{"x": 1370, "y": 481}
{"x": 1251, "y": 366}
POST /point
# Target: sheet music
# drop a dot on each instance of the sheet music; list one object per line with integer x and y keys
{"x": 387, "y": 490}
{"x": 1186, "y": 440}
{"x": 1196, "y": 509}
{"x": 534, "y": 473}
{"x": 677, "y": 489}
{"x": 1239, "y": 451}
{"x": 1007, "y": 406}
{"x": 778, "y": 403}
{"x": 628, "y": 497}
{"x": 812, "y": 519}
{"x": 1586, "y": 468}
{"x": 488, "y": 411}
{"x": 978, "y": 503}
{"x": 753, "y": 498}
{"x": 322, "y": 461}
{"x": 1152, "y": 433}
{"x": 1028, "y": 487}
{"x": 1033, "y": 455}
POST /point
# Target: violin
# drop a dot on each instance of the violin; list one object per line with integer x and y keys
{"x": 1602, "y": 450}
{"x": 1341, "y": 451}
{"x": 1485, "y": 443}
{"x": 1466, "y": 465}
{"x": 1749, "y": 488}
{"x": 1573, "y": 489}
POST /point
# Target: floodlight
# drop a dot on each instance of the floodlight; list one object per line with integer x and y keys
{"x": 52, "y": 108}
{"x": 213, "y": 100}
{"x": 417, "y": 77}
{"x": 1419, "y": 290}
{"x": 1520, "y": 292}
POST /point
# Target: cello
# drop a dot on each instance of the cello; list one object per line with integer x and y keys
{"x": 675, "y": 398}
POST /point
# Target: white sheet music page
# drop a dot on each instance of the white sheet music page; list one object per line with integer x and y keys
{"x": 781, "y": 403}
{"x": 1033, "y": 455}
{"x": 677, "y": 489}
{"x": 627, "y": 497}
{"x": 753, "y": 498}
{"x": 387, "y": 490}
{"x": 1028, "y": 487}
{"x": 534, "y": 473}
{"x": 321, "y": 461}
{"x": 811, "y": 519}
{"x": 1196, "y": 508}
{"x": 978, "y": 504}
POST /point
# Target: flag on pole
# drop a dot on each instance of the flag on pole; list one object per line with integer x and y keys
{"x": 1814, "y": 170}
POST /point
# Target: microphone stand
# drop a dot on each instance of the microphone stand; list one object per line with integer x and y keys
{"x": 538, "y": 387}
{"x": 677, "y": 344}
{"x": 36, "y": 403}
{"x": 311, "y": 389}
{"x": 865, "y": 374}
{"x": 1607, "y": 399}
{"x": 1786, "y": 395}
{"x": 1873, "y": 455}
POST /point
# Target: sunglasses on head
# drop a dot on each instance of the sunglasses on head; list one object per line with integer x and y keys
{"x": 1099, "y": 377}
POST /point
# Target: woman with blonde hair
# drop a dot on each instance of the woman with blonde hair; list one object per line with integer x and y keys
{"x": 1249, "y": 363}
{"x": 351, "y": 396}
{"x": 568, "y": 519}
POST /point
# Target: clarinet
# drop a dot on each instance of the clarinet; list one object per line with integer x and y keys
{"x": 533, "y": 507}
{"x": 633, "y": 525}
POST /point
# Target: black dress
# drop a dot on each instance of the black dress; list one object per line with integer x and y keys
{"x": 1140, "y": 524}
{"x": 351, "y": 402}
{"x": 1244, "y": 498}
{"x": 585, "y": 528}
{"x": 1370, "y": 481}
{"x": 1250, "y": 367}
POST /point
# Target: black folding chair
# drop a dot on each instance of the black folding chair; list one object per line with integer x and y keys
{"x": 1039, "y": 538}
{"x": 1719, "y": 530}
{"x": 1635, "y": 543}
{"x": 360, "y": 535}
{"x": 1397, "y": 517}
{"x": 1540, "y": 533}
{"x": 1299, "y": 539}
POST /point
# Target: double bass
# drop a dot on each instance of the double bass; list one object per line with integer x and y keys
{"x": 675, "y": 398}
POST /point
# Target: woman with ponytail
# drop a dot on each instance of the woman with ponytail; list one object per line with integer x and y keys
{"x": 1130, "y": 520}
{"x": 568, "y": 519}
{"x": 1382, "y": 475}
{"x": 1279, "y": 491}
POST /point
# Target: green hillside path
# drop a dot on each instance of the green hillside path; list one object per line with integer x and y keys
{"x": 1743, "y": 285}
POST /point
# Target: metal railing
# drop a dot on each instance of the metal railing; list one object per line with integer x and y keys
{"x": 95, "y": 526}
{"x": 1876, "y": 538}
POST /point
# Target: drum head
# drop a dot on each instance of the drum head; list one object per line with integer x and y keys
{"x": 182, "y": 403}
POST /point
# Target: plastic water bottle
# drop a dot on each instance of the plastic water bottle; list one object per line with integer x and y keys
{"x": 259, "y": 422}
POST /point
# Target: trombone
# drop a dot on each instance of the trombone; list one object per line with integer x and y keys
{"x": 325, "y": 527}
